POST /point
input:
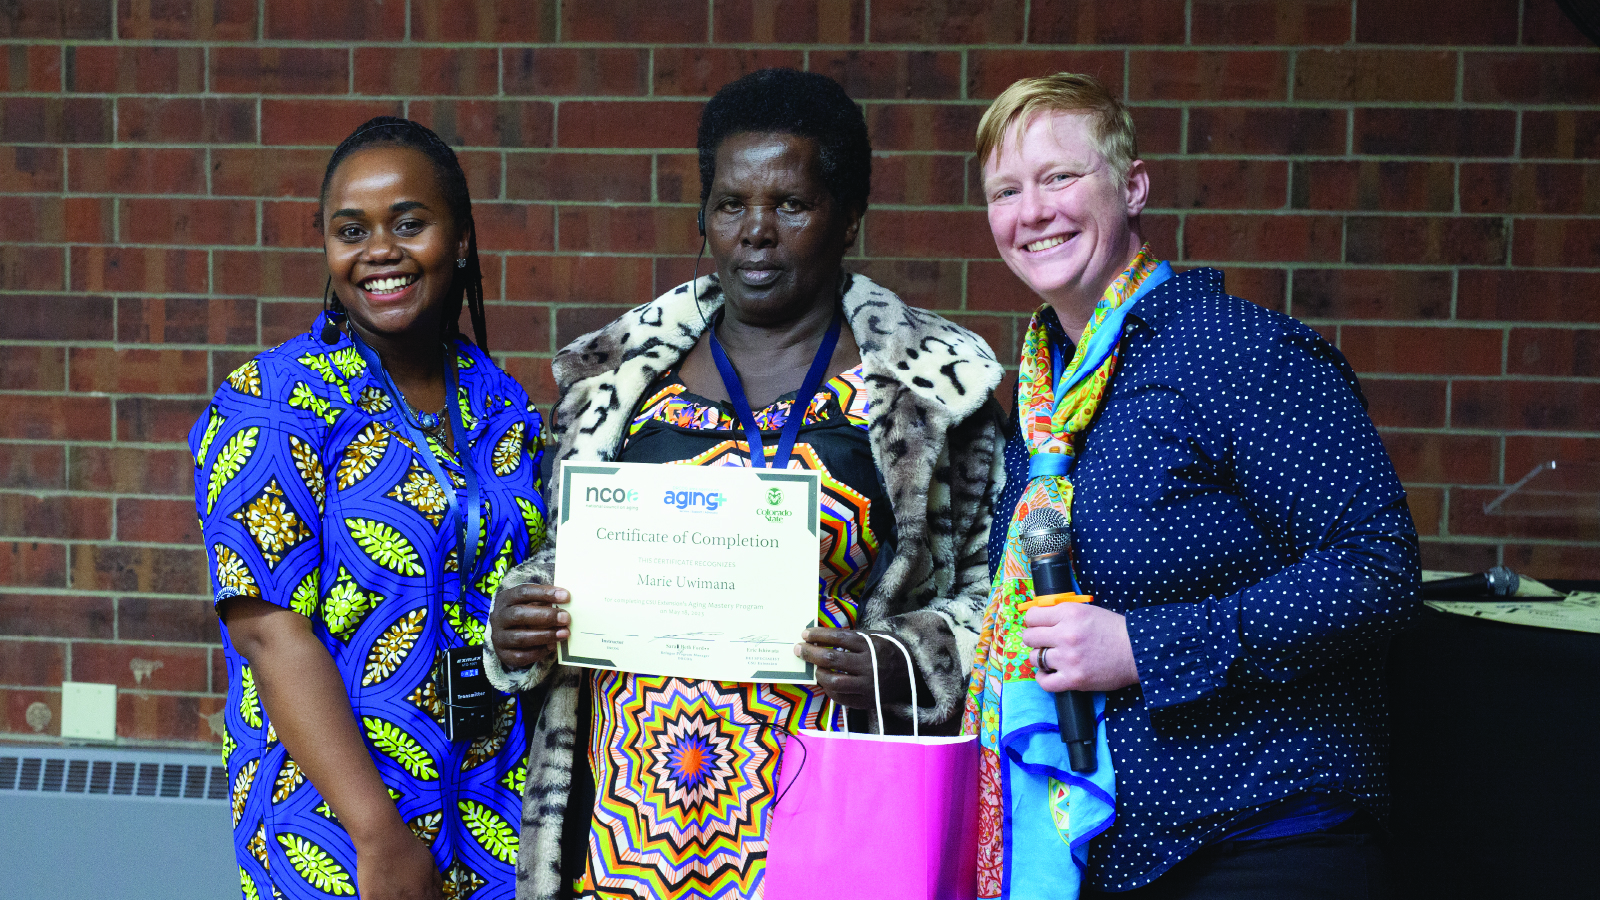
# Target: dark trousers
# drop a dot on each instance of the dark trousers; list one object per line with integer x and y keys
{"x": 1343, "y": 864}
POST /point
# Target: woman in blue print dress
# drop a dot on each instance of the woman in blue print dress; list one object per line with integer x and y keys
{"x": 341, "y": 562}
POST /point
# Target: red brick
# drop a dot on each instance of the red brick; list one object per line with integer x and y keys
{"x": 1432, "y": 457}
{"x": 515, "y": 226}
{"x": 482, "y": 169}
{"x": 133, "y": 170}
{"x": 188, "y": 321}
{"x": 998, "y": 331}
{"x": 486, "y": 123}
{"x": 887, "y": 74}
{"x": 55, "y": 120}
{"x": 602, "y": 124}
{"x": 32, "y": 466}
{"x": 322, "y": 123}
{"x": 1468, "y": 518}
{"x": 626, "y": 229}
{"x": 136, "y": 371}
{"x": 187, "y": 20}
{"x": 573, "y": 322}
{"x": 155, "y": 420}
{"x": 55, "y": 516}
{"x": 990, "y": 71}
{"x": 1554, "y": 351}
{"x": 922, "y": 234}
{"x": 922, "y": 179}
{"x": 176, "y": 668}
{"x": 1560, "y": 78}
{"x": 352, "y": 20}
{"x": 925, "y": 283}
{"x": 54, "y": 318}
{"x": 1522, "y": 295}
{"x": 1547, "y": 188}
{"x": 1427, "y": 508}
{"x": 789, "y": 21}
{"x": 1556, "y": 242}
{"x": 581, "y": 72}
{"x": 621, "y": 21}
{"x": 290, "y": 224}
{"x": 41, "y": 219}
{"x": 147, "y": 269}
{"x": 1168, "y": 75}
{"x": 992, "y": 286}
{"x": 1218, "y": 184}
{"x": 268, "y": 172}
{"x": 186, "y": 120}
{"x": 1405, "y": 402}
{"x": 31, "y": 68}
{"x": 188, "y": 222}
{"x": 31, "y": 564}
{"x": 70, "y": 19}
{"x": 1270, "y": 22}
{"x": 431, "y": 71}
{"x": 701, "y": 71}
{"x": 166, "y": 717}
{"x": 157, "y": 521}
{"x": 219, "y": 671}
{"x": 30, "y": 169}
{"x": 222, "y": 363}
{"x": 279, "y": 70}
{"x": 54, "y": 615}
{"x": 678, "y": 178}
{"x": 533, "y": 373}
{"x": 1552, "y": 560}
{"x": 128, "y": 470}
{"x": 32, "y": 663}
{"x": 1525, "y": 452}
{"x": 1262, "y": 285}
{"x": 56, "y": 418}
{"x": 32, "y": 268}
{"x": 1468, "y": 22}
{"x": 518, "y": 327}
{"x": 282, "y": 321}
{"x": 1085, "y": 22}
{"x": 1434, "y": 132}
{"x": 484, "y": 21}
{"x": 1261, "y": 238}
{"x": 492, "y": 265}
{"x": 946, "y": 22}
{"x": 1531, "y": 405}
{"x": 1422, "y": 351}
{"x": 1160, "y": 129}
{"x": 14, "y": 707}
{"x": 1267, "y": 131}
{"x": 619, "y": 178}
{"x": 136, "y": 70}
{"x": 1375, "y": 75}
{"x": 923, "y": 126}
{"x": 1399, "y": 294}
{"x": 1545, "y": 24}
{"x": 184, "y": 620}
{"x": 623, "y": 281}
{"x": 1425, "y": 240}
{"x": 296, "y": 274}
{"x": 1370, "y": 184}
{"x": 146, "y": 570}
{"x": 1459, "y": 556}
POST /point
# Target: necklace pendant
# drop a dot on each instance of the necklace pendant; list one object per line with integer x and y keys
{"x": 428, "y": 421}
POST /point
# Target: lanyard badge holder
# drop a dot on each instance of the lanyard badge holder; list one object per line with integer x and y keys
{"x": 458, "y": 671}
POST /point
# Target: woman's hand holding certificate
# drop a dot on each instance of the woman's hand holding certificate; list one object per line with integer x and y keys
{"x": 526, "y": 625}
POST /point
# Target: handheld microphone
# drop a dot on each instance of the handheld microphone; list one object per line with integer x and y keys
{"x": 1047, "y": 541}
{"x": 1497, "y": 582}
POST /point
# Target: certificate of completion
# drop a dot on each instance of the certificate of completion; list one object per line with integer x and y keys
{"x": 690, "y": 571}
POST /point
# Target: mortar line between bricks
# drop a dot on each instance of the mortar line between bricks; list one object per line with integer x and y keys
{"x": 867, "y": 45}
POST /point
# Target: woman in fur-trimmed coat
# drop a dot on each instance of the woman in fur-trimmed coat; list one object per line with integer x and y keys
{"x": 907, "y": 439}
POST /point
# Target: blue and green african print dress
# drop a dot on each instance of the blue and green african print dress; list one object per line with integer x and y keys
{"x": 311, "y": 497}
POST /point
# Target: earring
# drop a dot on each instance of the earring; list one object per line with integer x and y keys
{"x": 461, "y": 263}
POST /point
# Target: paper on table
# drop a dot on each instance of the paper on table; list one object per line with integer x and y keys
{"x": 1579, "y": 611}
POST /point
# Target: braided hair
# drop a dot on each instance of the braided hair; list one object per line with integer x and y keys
{"x": 395, "y": 131}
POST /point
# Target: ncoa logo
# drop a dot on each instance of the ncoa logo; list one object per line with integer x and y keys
{"x": 693, "y": 501}
{"x": 610, "y": 495}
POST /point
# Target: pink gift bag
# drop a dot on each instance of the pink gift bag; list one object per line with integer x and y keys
{"x": 875, "y": 815}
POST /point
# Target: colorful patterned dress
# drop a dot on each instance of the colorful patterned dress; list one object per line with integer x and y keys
{"x": 311, "y": 497}
{"x": 681, "y": 772}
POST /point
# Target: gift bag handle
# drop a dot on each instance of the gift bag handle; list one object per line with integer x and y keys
{"x": 877, "y": 688}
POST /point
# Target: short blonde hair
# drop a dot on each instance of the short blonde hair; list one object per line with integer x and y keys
{"x": 1063, "y": 92}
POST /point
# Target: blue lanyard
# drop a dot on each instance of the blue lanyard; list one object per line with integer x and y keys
{"x": 802, "y": 400}
{"x": 466, "y": 531}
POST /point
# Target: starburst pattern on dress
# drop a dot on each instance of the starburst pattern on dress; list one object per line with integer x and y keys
{"x": 246, "y": 379}
{"x": 272, "y": 523}
{"x": 233, "y": 573}
{"x": 362, "y": 455}
{"x": 421, "y": 491}
{"x": 508, "y": 451}
{"x": 391, "y": 647}
{"x": 310, "y": 469}
{"x": 373, "y": 401}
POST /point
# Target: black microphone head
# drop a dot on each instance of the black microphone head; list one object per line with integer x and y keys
{"x": 1502, "y": 581}
{"x": 1044, "y": 531}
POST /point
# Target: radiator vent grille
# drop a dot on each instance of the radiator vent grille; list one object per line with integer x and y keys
{"x": 113, "y": 773}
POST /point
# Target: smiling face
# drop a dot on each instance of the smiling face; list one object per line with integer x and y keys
{"x": 1063, "y": 220}
{"x": 391, "y": 243}
{"x": 778, "y": 236}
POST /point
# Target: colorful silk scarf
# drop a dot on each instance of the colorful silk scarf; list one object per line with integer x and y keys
{"x": 1032, "y": 805}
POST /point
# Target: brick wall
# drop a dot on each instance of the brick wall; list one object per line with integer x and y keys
{"x": 1421, "y": 189}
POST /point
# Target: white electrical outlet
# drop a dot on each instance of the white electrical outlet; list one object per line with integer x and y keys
{"x": 88, "y": 711}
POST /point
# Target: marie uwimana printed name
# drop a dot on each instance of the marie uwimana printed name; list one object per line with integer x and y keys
{"x": 678, "y": 581}
{"x": 692, "y": 538}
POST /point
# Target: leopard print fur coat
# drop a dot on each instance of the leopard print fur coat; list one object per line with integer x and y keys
{"x": 935, "y": 433}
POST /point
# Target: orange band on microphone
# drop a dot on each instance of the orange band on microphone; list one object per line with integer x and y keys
{"x": 1053, "y": 599}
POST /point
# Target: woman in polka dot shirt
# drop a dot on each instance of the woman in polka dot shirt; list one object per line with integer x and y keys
{"x": 1235, "y": 518}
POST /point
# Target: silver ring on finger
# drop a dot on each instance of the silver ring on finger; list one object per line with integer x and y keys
{"x": 1044, "y": 666}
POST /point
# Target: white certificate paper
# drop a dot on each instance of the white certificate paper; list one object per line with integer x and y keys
{"x": 690, "y": 571}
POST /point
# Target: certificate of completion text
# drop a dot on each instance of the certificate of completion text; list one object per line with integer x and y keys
{"x": 690, "y": 571}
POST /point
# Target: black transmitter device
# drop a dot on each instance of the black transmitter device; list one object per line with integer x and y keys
{"x": 467, "y": 697}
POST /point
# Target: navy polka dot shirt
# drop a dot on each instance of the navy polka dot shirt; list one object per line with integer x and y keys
{"x": 1234, "y": 502}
